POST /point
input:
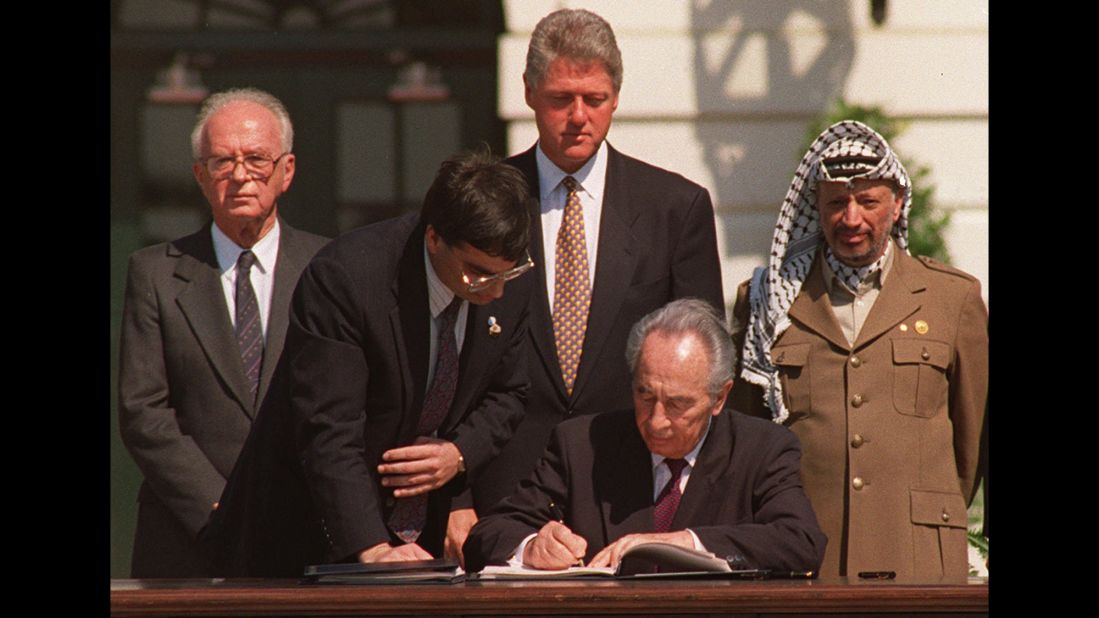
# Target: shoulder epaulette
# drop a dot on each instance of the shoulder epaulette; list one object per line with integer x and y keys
{"x": 936, "y": 265}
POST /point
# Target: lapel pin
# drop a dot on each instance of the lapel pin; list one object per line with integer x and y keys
{"x": 904, "y": 328}
{"x": 921, "y": 327}
{"x": 493, "y": 327}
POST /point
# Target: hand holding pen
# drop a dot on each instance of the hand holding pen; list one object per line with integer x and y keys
{"x": 555, "y": 546}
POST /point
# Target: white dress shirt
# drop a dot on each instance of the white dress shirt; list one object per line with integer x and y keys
{"x": 262, "y": 273}
{"x": 662, "y": 474}
{"x": 592, "y": 178}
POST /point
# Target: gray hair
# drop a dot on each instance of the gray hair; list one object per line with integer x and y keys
{"x": 217, "y": 101}
{"x": 576, "y": 34}
{"x": 694, "y": 316}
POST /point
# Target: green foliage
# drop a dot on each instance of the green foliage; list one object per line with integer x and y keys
{"x": 925, "y": 223}
{"x": 980, "y": 541}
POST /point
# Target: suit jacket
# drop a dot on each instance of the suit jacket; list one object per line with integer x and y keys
{"x": 657, "y": 243}
{"x": 744, "y": 498}
{"x": 890, "y": 426}
{"x": 306, "y": 488}
{"x": 185, "y": 406}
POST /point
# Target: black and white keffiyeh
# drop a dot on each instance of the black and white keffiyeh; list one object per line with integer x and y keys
{"x": 844, "y": 151}
{"x": 851, "y": 277}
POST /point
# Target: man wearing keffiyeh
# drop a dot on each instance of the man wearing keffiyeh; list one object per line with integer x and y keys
{"x": 877, "y": 360}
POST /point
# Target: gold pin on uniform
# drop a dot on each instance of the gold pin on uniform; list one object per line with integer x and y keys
{"x": 493, "y": 327}
{"x": 921, "y": 327}
{"x": 904, "y": 328}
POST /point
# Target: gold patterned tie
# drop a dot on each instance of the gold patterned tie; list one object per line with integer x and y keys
{"x": 571, "y": 287}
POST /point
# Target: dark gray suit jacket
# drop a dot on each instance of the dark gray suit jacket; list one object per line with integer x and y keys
{"x": 744, "y": 498}
{"x": 185, "y": 407}
{"x": 657, "y": 243}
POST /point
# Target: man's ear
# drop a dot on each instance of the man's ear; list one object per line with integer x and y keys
{"x": 720, "y": 403}
{"x": 433, "y": 240}
{"x": 288, "y": 170}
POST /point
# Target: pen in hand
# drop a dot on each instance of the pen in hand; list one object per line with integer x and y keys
{"x": 558, "y": 516}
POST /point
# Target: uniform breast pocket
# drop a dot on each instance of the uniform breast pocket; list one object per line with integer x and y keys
{"x": 919, "y": 376}
{"x": 793, "y": 363}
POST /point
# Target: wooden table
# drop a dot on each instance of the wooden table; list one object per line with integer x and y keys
{"x": 288, "y": 597}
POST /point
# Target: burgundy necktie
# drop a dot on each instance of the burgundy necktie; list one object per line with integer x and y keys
{"x": 571, "y": 286}
{"x": 667, "y": 501}
{"x": 410, "y": 514}
{"x": 249, "y": 331}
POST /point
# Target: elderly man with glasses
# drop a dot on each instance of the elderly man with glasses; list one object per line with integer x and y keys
{"x": 403, "y": 375}
{"x": 203, "y": 327}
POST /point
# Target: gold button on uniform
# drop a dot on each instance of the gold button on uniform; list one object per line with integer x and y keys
{"x": 946, "y": 516}
{"x": 856, "y": 361}
{"x": 856, "y": 400}
{"x": 856, "y": 441}
{"x": 857, "y": 482}
{"x": 925, "y": 354}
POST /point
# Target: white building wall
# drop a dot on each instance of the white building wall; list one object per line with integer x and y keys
{"x": 722, "y": 91}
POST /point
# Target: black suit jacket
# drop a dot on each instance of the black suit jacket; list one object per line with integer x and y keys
{"x": 185, "y": 407}
{"x": 354, "y": 376}
{"x": 744, "y": 498}
{"x": 657, "y": 243}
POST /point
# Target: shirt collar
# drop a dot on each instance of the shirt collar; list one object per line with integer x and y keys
{"x": 592, "y": 176}
{"x": 691, "y": 455}
{"x": 266, "y": 249}
{"x": 438, "y": 294}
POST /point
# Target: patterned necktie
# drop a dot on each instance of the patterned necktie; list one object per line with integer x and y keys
{"x": 410, "y": 514}
{"x": 571, "y": 286}
{"x": 249, "y": 331}
{"x": 668, "y": 500}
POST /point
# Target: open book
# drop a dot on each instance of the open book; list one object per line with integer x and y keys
{"x": 645, "y": 560}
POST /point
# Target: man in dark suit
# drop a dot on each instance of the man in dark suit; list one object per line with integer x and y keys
{"x": 403, "y": 375}
{"x": 200, "y": 339}
{"x": 677, "y": 470}
{"x": 612, "y": 238}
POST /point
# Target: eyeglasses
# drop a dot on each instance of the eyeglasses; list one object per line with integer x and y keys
{"x": 478, "y": 284}
{"x": 258, "y": 167}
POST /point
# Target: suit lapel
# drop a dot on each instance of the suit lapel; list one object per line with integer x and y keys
{"x": 409, "y": 320}
{"x": 202, "y": 302}
{"x": 813, "y": 308}
{"x": 541, "y": 321}
{"x": 900, "y": 297}
{"x": 614, "y": 268}
{"x": 698, "y": 506}
{"x": 623, "y": 476}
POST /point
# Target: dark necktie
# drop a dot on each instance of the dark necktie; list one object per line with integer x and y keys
{"x": 410, "y": 514}
{"x": 249, "y": 331}
{"x": 667, "y": 501}
{"x": 571, "y": 286}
